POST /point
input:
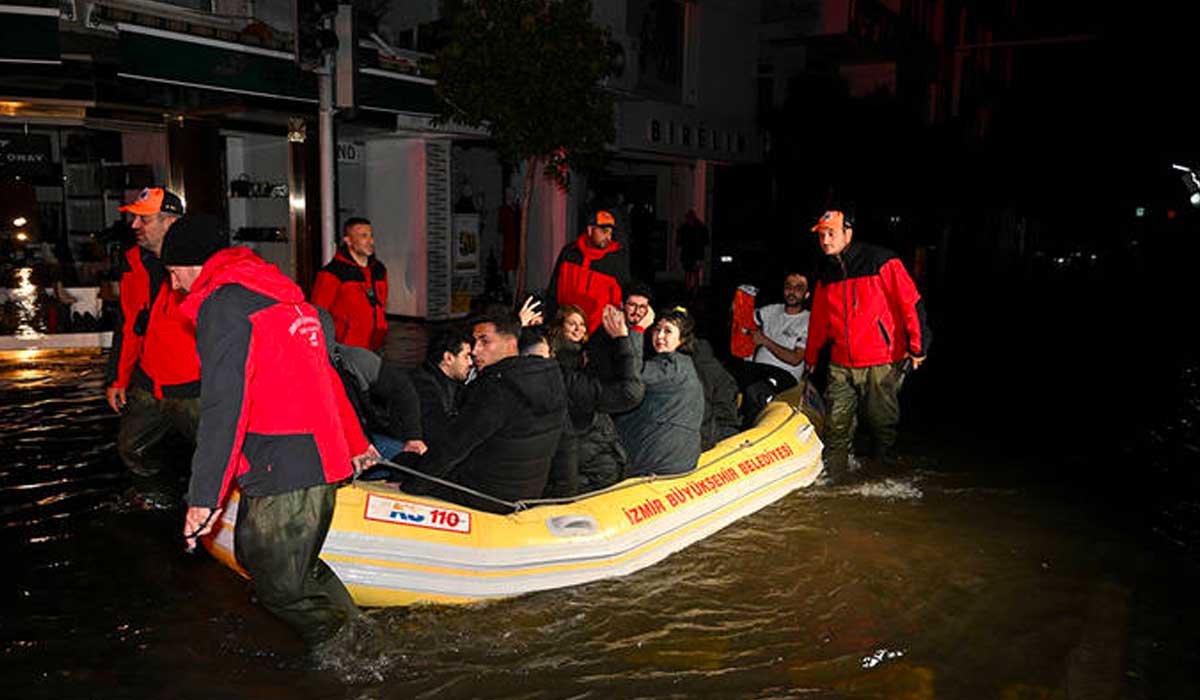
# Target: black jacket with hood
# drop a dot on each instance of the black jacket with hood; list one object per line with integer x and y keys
{"x": 503, "y": 438}
{"x": 591, "y": 439}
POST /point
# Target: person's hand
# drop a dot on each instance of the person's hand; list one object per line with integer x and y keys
{"x": 115, "y": 397}
{"x": 198, "y": 522}
{"x": 647, "y": 321}
{"x": 758, "y": 337}
{"x": 916, "y": 361}
{"x": 531, "y": 312}
{"x": 417, "y": 446}
{"x": 614, "y": 322}
{"x": 365, "y": 460}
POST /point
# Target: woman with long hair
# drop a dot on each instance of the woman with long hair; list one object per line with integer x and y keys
{"x": 567, "y": 334}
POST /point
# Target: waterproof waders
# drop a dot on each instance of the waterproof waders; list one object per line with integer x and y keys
{"x": 277, "y": 540}
{"x": 146, "y": 421}
{"x": 877, "y": 390}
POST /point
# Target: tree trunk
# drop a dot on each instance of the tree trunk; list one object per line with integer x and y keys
{"x": 523, "y": 237}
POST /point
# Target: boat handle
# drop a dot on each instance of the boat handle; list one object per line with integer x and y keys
{"x": 576, "y": 525}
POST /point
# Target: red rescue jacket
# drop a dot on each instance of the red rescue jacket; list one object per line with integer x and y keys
{"x": 155, "y": 344}
{"x": 275, "y": 416}
{"x": 345, "y": 289}
{"x": 866, "y": 304}
{"x": 589, "y": 278}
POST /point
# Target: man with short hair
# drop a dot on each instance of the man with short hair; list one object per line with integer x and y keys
{"x": 590, "y": 271}
{"x": 353, "y": 288}
{"x": 153, "y": 369}
{"x": 440, "y": 378}
{"x": 637, "y": 304}
{"x": 506, "y": 432}
{"x": 866, "y": 305}
{"x": 782, "y": 332}
{"x": 275, "y": 421}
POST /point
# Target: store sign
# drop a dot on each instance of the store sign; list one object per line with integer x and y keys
{"x": 351, "y": 151}
{"x": 25, "y": 155}
{"x": 696, "y": 138}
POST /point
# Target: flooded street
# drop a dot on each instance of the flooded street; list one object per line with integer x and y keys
{"x": 946, "y": 580}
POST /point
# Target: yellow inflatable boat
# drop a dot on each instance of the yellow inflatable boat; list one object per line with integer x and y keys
{"x": 390, "y": 548}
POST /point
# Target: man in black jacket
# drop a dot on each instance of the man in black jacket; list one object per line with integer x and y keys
{"x": 507, "y": 429}
{"x": 382, "y": 394}
{"x": 440, "y": 378}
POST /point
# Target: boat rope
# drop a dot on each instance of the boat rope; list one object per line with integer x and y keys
{"x": 465, "y": 489}
{"x": 524, "y": 504}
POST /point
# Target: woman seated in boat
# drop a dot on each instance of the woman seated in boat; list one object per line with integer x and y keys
{"x": 662, "y": 435}
{"x": 590, "y": 456}
{"x": 567, "y": 334}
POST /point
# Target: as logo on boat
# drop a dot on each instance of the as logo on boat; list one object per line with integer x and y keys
{"x": 400, "y": 512}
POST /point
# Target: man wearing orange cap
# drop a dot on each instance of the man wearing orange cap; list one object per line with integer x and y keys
{"x": 153, "y": 372}
{"x": 590, "y": 271}
{"x": 866, "y": 305}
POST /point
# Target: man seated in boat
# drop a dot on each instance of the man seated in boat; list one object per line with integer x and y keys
{"x": 500, "y": 444}
{"x": 383, "y": 396}
{"x": 590, "y": 455}
{"x": 440, "y": 378}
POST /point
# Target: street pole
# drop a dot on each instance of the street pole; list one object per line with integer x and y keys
{"x": 325, "y": 127}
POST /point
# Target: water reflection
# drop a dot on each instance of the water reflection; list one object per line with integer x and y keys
{"x": 25, "y": 295}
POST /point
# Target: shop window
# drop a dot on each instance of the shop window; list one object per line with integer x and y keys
{"x": 61, "y": 233}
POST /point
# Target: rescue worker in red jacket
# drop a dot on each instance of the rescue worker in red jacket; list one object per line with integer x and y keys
{"x": 868, "y": 307}
{"x": 153, "y": 372}
{"x": 353, "y": 288}
{"x": 590, "y": 272}
{"x": 275, "y": 420}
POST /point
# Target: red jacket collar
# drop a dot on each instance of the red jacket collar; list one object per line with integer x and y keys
{"x": 240, "y": 266}
{"x": 589, "y": 253}
{"x": 343, "y": 254}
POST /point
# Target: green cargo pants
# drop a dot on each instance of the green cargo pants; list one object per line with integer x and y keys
{"x": 877, "y": 389}
{"x": 277, "y": 541}
{"x": 146, "y": 421}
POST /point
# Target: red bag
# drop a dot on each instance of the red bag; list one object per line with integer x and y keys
{"x": 740, "y": 344}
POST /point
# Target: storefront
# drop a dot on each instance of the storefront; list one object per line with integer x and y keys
{"x": 60, "y": 187}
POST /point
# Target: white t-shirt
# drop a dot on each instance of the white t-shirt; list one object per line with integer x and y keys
{"x": 789, "y": 330}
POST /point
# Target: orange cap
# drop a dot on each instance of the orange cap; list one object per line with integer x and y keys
{"x": 831, "y": 219}
{"x": 603, "y": 218}
{"x": 153, "y": 200}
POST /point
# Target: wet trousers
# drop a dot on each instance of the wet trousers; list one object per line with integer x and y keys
{"x": 872, "y": 391}
{"x": 146, "y": 421}
{"x": 277, "y": 541}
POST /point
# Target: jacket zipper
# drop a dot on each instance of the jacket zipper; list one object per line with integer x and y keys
{"x": 887, "y": 339}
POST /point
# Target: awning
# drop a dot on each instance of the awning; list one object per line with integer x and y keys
{"x": 29, "y": 32}
{"x": 183, "y": 59}
{"x": 395, "y": 92}
{"x": 175, "y": 58}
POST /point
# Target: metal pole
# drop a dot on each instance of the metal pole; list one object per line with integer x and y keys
{"x": 325, "y": 124}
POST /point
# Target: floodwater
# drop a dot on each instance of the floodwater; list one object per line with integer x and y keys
{"x": 960, "y": 576}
